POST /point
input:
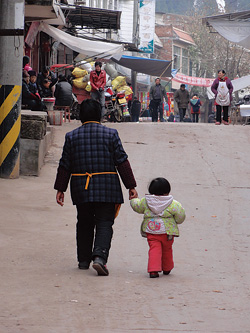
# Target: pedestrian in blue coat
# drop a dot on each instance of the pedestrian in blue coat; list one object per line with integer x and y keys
{"x": 92, "y": 157}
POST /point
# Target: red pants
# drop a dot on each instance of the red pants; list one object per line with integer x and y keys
{"x": 160, "y": 254}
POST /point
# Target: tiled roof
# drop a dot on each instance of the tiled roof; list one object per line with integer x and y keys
{"x": 184, "y": 36}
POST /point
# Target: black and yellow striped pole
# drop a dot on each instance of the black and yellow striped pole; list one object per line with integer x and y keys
{"x": 11, "y": 54}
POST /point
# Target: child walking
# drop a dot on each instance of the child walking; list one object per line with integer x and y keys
{"x": 162, "y": 214}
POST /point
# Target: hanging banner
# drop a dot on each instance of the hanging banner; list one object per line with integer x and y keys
{"x": 193, "y": 81}
{"x": 147, "y": 25}
{"x": 32, "y": 33}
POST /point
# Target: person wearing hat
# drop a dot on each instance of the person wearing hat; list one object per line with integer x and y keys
{"x": 28, "y": 97}
{"x": 32, "y": 83}
{"x": 26, "y": 63}
{"x": 181, "y": 97}
{"x": 98, "y": 82}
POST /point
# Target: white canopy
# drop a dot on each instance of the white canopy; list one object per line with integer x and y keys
{"x": 238, "y": 84}
{"x": 236, "y": 32}
{"x": 87, "y": 47}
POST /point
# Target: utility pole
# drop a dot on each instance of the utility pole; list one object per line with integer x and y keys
{"x": 11, "y": 48}
{"x": 136, "y": 43}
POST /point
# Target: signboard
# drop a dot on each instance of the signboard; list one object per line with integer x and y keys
{"x": 193, "y": 81}
{"x": 147, "y": 25}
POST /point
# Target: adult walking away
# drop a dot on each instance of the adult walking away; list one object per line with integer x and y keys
{"x": 135, "y": 109}
{"x": 63, "y": 92}
{"x": 156, "y": 94}
{"x": 98, "y": 82}
{"x": 222, "y": 88}
{"x": 181, "y": 97}
{"x": 195, "y": 108}
{"x": 92, "y": 155}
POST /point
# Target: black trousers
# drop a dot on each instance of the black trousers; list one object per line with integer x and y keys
{"x": 156, "y": 104}
{"x": 94, "y": 230}
{"x": 195, "y": 117}
{"x": 182, "y": 112}
{"x": 218, "y": 113}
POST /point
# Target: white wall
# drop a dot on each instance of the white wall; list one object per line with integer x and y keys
{"x": 126, "y": 31}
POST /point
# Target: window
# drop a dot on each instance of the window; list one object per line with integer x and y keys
{"x": 181, "y": 60}
{"x": 177, "y": 57}
{"x": 185, "y": 62}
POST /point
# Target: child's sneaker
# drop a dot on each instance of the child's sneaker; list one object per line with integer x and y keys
{"x": 153, "y": 275}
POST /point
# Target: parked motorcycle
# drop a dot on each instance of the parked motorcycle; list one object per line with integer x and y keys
{"x": 116, "y": 106}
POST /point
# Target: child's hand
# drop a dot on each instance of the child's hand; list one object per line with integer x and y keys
{"x": 133, "y": 194}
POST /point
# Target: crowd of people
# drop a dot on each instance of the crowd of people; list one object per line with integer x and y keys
{"x": 36, "y": 87}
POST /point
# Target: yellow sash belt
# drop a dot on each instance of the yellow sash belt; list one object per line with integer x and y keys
{"x": 89, "y": 175}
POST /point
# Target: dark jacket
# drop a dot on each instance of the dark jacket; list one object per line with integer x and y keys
{"x": 162, "y": 92}
{"x": 195, "y": 105}
{"x": 41, "y": 77}
{"x": 45, "y": 92}
{"x": 136, "y": 107}
{"x": 63, "y": 93}
{"x": 182, "y": 98}
{"x": 33, "y": 87}
{"x": 93, "y": 148}
{"x": 26, "y": 93}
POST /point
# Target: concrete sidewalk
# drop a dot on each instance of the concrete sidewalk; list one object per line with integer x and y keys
{"x": 43, "y": 291}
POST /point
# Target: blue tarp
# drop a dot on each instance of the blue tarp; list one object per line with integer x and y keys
{"x": 154, "y": 67}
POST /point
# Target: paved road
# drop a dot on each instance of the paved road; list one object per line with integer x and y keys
{"x": 41, "y": 289}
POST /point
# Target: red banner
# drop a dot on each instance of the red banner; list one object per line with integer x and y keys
{"x": 193, "y": 81}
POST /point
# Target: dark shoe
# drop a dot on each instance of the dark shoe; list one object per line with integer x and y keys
{"x": 100, "y": 267}
{"x": 153, "y": 275}
{"x": 166, "y": 272}
{"x": 83, "y": 265}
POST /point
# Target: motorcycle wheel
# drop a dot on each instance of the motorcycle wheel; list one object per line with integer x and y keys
{"x": 117, "y": 115}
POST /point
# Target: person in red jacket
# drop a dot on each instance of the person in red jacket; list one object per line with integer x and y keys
{"x": 98, "y": 82}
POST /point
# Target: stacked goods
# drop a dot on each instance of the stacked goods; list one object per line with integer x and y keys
{"x": 118, "y": 82}
{"x": 126, "y": 89}
{"x": 81, "y": 78}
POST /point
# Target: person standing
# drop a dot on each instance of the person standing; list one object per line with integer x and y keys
{"x": 135, "y": 110}
{"x": 162, "y": 214}
{"x": 98, "y": 83}
{"x": 156, "y": 94}
{"x": 195, "y": 108}
{"x": 181, "y": 97}
{"x": 92, "y": 157}
{"x": 222, "y": 88}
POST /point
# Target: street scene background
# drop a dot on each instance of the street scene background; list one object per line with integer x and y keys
{"x": 42, "y": 289}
